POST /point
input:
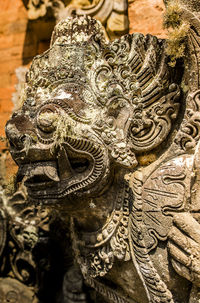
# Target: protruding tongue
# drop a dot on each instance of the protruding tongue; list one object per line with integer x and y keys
{"x": 47, "y": 169}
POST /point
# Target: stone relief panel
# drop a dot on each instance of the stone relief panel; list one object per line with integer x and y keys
{"x": 89, "y": 219}
{"x": 113, "y": 14}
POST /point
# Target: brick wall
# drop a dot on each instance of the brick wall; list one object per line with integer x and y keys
{"x": 13, "y": 23}
{"x": 20, "y": 41}
{"x": 146, "y": 16}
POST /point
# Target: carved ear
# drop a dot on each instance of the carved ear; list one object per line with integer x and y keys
{"x": 152, "y": 122}
{"x": 134, "y": 71}
{"x": 155, "y": 99}
{"x": 138, "y": 70}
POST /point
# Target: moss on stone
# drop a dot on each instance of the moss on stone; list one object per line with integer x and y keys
{"x": 173, "y": 14}
{"x": 184, "y": 87}
{"x": 177, "y": 30}
{"x": 176, "y": 43}
{"x": 147, "y": 159}
{"x": 3, "y": 139}
{"x": 64, "y": 128}
{"x": 10, "y": 186}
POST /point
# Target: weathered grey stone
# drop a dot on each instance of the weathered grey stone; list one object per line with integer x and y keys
{"x": 108, "y": 137}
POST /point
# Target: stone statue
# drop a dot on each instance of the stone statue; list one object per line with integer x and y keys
{"x": 108, "y": 137}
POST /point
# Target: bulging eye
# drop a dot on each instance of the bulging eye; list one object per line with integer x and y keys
{"x": 47, "y": 119}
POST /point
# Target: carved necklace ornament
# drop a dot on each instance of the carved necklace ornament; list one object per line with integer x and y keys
{"x": 91, "y": 111}
{"x": 96, "y": 251}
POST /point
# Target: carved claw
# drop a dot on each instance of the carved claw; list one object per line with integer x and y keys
{"x": 184, "y": 247}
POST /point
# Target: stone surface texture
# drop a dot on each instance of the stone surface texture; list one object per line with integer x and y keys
{"x": 106, "y": 202}
{"x": 22, "y": 39}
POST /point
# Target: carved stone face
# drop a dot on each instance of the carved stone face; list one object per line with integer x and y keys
{"x": 67, "y": 155}
{"x": 89, "y": 107}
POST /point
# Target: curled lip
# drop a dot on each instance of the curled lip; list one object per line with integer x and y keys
{"x": 39, "y": 175}
{"x": 77, "y": 166}
{"x": 39, "y": 185}
{"x": 40, "y": 181}
{"x": 53, "y": 178}
{"x": 47, "y": 168}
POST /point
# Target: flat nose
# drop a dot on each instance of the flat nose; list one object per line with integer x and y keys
{"x": 14, "y": 136}
{"x": 16, "y": 131}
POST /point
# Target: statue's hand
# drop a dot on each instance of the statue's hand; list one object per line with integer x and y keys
{"x": 184, "y": 247}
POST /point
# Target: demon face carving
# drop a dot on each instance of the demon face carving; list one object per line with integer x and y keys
{"x": 89, "y": 107}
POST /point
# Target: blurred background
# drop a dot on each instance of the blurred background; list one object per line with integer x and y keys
{"x": 25, "y": 31}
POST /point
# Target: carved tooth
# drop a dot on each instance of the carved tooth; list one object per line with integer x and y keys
{"x": 65, "y": 169}
{"x": 84, "y": 183}
{"x": 51, "y": 172}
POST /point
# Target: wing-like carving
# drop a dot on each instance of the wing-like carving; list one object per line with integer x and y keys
{"x": 164, "y": 193}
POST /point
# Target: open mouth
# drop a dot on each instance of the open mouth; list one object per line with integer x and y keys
{"x": 72, "y": 171}
{"x": 39, "y": 182}
{"x": 47, "y": 175}
{"x": 79, "y": 165}
{"x": 39, "y": 174}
